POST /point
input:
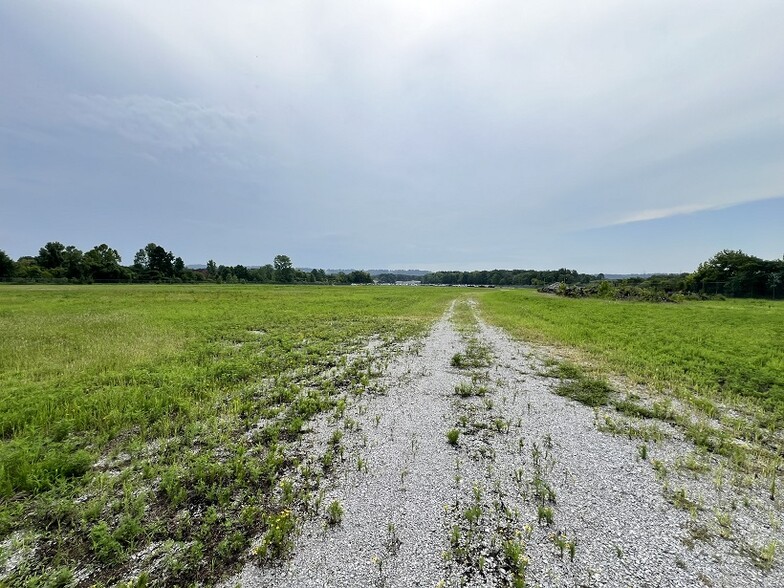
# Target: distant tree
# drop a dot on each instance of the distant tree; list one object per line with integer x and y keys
{"x": 265, "y": 273}
{"x": 7, "y": 265}
{"x": 733, "y": 273}
{"x": 359, "y": 277}
{"x": 212, "y": 269}
{"x": 776, "y": 279}
{"x": 283, "y": 268}
{"x": 140, "y": 261}
{"x": 27, "y": 267}
{"x": 73, "y": 263}
{"x": 50, "y": 256}
{"x": 179, "y": 266}
{"x": 606, "y": 289}
{"x": 505, "y": 277}
{"x": 159, "y": 261}
{"x": 318, "y": 275}
{"x": 103, "y": 263}
{"x": 241, "y": 272}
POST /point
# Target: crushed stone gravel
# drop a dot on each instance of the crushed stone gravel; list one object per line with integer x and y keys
{"x": 402, "y": 488}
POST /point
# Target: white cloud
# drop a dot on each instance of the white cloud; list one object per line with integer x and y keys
{"x": 471, "y": 123}
{"x": 660, "y": 213}
{"x": 168, "y": 124}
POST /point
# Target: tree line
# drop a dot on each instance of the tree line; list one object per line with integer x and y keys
{"x": 736, "y": 274}
{"x": 509, "y": 277}
{"x": 728, "y": 273}
{"x": 153, "y": 263}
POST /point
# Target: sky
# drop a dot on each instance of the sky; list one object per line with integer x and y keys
{"x": 604, "y": 136}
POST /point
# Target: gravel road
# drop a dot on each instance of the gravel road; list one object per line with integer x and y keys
{"x": 419, "y": 511}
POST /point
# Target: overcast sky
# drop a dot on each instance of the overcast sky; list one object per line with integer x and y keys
{"x": 612, "y": 136}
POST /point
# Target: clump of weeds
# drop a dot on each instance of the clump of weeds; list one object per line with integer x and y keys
{"x": 587, "y": 391}
{"x": 466, "y": 389}
{"x": 334, "y": 513}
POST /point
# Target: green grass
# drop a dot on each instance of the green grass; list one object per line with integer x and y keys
{"x": 579, "y": 386}
{"x": 130, "y": 412}
{"x": 727, "y": 350}
{"x": 477, "y": 355}
{"x": 126, "y": 396}
{"x": 588, "y": 391}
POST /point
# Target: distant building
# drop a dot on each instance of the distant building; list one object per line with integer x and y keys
{"x": 408, "y": 283}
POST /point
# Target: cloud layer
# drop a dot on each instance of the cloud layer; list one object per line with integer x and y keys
{"x": 438, "y": 134}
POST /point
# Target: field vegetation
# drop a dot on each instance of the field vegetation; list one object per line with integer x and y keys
{"x": 713, "y": 368}
{"x": 157, "y": 429}
{"x": 161, "y": 420}
{"x": 708, "y": 351}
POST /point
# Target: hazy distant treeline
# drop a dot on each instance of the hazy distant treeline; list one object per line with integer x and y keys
{"x": 728, "y": 273}
{"x": 58, "y": 262}
{"x": 510, "y": 277}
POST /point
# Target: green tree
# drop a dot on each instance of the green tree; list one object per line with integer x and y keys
{"x": 318, "y": 275}
{"x": 50, "y": 256}
{"x": 160, "y": 263}
{"x": 730, "y": 272}
{"x": 265, "y": 273}
{"x": 606, "y": 289}
{"x": 212, "y": 269}
{"x": 359, "y": 277}
{"x": 140, "y": 261}
{"x": 27, "y": 267}
{"x": 7, "y": 265}
{"x": 73, "y": 263}
{"x": 241, "y": 272}
{"x": 283, "y": 268}
{"x": 103, "y": 263}
{"x": 776, "y": 279}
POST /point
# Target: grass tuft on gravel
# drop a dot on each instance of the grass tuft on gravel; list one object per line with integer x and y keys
{"x": 579, "y": 386}
{"x": 587, "y": 391}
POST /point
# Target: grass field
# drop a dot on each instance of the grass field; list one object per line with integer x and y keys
{"x": 167, "y": 417}
{"x": 713, "y": 370}
{"x": 111, "y": 372}
{"x": 706, "y": 352}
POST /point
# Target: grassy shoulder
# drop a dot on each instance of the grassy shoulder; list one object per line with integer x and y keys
{"x": 713, "y": 369}
{"x": 708, "y": 352}
{"x": 131, "y": 416}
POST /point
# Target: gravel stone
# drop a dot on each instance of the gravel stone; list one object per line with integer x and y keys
{"x": 607, "y": 499}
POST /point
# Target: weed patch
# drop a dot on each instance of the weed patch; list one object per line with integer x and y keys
{"x": 477, "y": 355}
{"x": 586, "y": 391}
